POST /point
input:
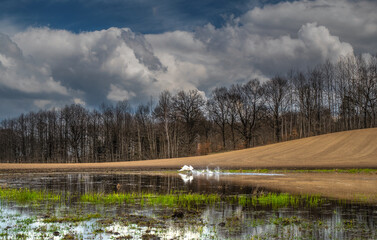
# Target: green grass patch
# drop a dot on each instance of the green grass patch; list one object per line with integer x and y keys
{"x": 24, "y": 195}
{"x": 353, "y": 170}
{"x": 172, "y": 200}
{"x": 186, "y": 200}
{"x": 277, "y": 200}
{"x": 249, "y": 171}
{"x": 190, "y": 200}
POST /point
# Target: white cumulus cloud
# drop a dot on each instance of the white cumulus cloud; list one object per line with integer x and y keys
{"x": 354, "y": 21}
{"x": 118, "y": 94}
{"x": 92, "y": 63}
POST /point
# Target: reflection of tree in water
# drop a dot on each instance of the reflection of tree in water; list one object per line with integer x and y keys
{"x": 80, "y": 183}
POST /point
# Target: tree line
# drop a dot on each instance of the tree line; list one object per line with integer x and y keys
{"x": 327, "y": 98}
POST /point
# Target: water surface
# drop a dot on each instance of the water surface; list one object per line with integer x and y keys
{"x": 223, "y": 220}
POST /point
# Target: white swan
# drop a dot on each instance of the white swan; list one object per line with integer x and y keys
{"x": 186, "y": 168}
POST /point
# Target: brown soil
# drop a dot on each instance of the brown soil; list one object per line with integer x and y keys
{"x": 351, "y": 149}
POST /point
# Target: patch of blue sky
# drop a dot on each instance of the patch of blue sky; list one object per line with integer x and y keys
{"x": 144, "y": 16}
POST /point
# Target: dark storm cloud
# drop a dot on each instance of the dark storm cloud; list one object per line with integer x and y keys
{"x": 24, "y": 84}
{"x": 143, "y": 50}
{"x": 99, "y": 65}
{"x": 23, "y": 74}
{"x": 42, "y": 67}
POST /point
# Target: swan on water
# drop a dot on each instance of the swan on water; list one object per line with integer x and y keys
{"x": 186, "y": 168}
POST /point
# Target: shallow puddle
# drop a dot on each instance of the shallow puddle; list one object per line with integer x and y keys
{"x": 220, "y": 210}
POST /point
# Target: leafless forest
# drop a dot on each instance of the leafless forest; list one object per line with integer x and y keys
{"x": 323, "y": 99}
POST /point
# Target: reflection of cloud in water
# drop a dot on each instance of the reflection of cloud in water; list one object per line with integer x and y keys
{"x": 190, "y": 173}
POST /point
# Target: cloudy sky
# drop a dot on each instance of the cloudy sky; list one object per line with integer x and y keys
{"x": 58, "y": 52}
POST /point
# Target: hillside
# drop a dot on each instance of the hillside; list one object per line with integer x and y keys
{"x": 349, "y": 149}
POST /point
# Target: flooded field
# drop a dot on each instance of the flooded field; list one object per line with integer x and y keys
{"x": 170, "y": 206}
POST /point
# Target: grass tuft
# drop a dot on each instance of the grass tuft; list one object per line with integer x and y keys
{"x": 24, "y": 195}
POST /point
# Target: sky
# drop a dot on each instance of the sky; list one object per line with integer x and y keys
{"x": 59, "y": 52}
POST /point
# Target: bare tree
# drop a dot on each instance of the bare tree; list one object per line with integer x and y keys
{"x": 219, "y": 110}
{"x": 189, "y": 108}
{"x": 163, "y": 112}
{"x": 276, "y": 91}
{"x": 75, "y": 117}
{"x": 247, "y": 103}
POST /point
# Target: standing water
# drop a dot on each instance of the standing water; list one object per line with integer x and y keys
{"x": 137, "y": 206}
